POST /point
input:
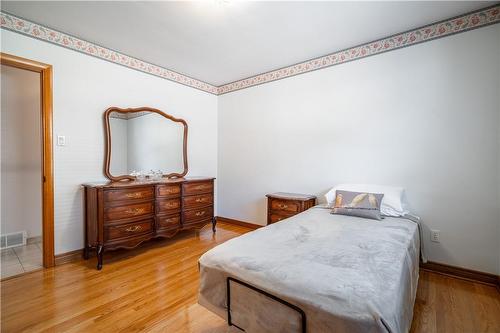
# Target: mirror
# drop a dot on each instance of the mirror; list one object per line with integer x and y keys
{"x": 142, "y": 140}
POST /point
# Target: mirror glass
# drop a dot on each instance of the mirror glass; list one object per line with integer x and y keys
{"x": 145, "y": 141}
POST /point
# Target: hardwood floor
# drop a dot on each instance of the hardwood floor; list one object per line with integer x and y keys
{"x": 447, "y": 304}
{"x": 154, "y": 288}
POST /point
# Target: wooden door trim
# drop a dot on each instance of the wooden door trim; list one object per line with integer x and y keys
{"x": 45, "y": 71}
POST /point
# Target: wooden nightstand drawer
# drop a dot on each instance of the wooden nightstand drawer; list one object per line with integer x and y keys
{"x": 283, "y": 205}
{"x": 278, "y": 217}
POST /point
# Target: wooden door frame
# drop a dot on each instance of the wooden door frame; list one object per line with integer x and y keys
{"x": 45, "y": 72}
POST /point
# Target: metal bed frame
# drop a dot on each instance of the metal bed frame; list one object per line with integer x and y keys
{"x": 260, "y": 291}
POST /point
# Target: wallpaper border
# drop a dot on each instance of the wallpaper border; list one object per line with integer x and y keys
{"x": 38, "y": 31}
{"x": 473, "y": 20}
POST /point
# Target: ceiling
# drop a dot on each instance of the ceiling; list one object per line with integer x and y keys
{"x": 221, "y": 41}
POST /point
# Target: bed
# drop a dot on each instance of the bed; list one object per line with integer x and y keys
{"x": 316, "y": 272}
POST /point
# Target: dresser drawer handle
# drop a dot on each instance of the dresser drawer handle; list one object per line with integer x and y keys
{"x": 134, "y": 228}
{"x": 134, "y": 195}
{"x": 200, "y": 187}
{"x": 170, "y": 220}
{"x": 171, "y": 204}
{"x": 200, "y": 199}
{"x": 135, "y": 211}
{"x": 170, "y": 191}
{"x": 200, "y": 213}
{"x": 283, "y": 206}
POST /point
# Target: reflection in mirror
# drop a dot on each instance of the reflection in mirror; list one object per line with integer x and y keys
{"x": 145, "y": 141}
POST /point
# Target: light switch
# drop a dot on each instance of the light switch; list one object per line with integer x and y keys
{"x": 61, "y": 140}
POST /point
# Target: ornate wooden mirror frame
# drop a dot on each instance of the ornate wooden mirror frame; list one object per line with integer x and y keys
{"x": 107, "y": 149}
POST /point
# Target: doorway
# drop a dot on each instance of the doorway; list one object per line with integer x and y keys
{"x": 27, "y": 196}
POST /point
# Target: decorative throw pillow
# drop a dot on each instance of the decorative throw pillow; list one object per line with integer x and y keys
{"x": 360, "y": 204}
{"x": 393, "y": 204}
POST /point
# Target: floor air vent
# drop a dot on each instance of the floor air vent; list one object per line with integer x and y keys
{"x": 13, "y": 239}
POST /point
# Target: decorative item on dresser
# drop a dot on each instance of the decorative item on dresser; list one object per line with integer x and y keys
{"x": 281, "y": 205}
{"x": 125, "y": 214}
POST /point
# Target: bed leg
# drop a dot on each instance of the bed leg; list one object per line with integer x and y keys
{"x": 214, "y": 223}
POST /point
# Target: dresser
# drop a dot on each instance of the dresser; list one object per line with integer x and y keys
{"x": 125, "y": 214}
{"x": 281, "y": 205}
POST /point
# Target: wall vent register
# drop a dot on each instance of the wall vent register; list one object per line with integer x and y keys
{"x": 13, "y": 239}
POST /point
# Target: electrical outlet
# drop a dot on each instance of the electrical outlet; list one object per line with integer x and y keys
{"x": 435, "y": 236}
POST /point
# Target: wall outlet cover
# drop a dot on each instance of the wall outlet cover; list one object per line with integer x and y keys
{"x": 435, "y": 236}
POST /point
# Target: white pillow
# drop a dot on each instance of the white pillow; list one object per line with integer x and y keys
{"x": 393, "y": 202}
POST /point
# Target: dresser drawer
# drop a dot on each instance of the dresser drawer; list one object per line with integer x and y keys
{"x": 129, "y": 229}
{"x": 196, "y": 201}
{"x": 168, "y": 206}
{"x": 168, "y": 222}
{"x": 129, "y": 194}
{"x": 277, "y": 217}
{"x": 128, "y": 211}
{"x": 198, "y": 214}
{"x": 168, "y": 190}
{"x": 198, "y": 187}
{"x": 198, "y": 224}
{"x": 285, "y": 205}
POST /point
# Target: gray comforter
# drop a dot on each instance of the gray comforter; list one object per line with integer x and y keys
{"x": 347, "y": 274}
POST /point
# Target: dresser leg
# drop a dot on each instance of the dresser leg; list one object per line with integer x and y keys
{"x": 99, "y": 257}
{"x": 86, "y": 253}
{"x": 214, "y": 223}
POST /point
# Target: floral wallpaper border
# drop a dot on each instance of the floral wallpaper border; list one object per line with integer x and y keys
{"x": 483, "y": 17}
{"x": 16, "y": 24}
{"x": 480, "y": 18}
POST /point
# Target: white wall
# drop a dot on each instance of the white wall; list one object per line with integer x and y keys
{"x": 83, "y": 88}
{"x": 21, "y": 168}
{"x": 424, "y": 117}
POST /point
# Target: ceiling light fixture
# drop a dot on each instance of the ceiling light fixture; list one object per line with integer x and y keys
{"x": 221, "y": 3}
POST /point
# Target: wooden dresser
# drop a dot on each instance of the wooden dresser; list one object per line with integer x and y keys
{"x": 125, "y": 214}
{"x": 281, "y": 205}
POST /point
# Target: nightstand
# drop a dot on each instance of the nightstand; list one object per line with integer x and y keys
{"x": 281, "y": 205}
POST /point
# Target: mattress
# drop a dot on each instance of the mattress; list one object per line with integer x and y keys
{"x": 347, "y": 274}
